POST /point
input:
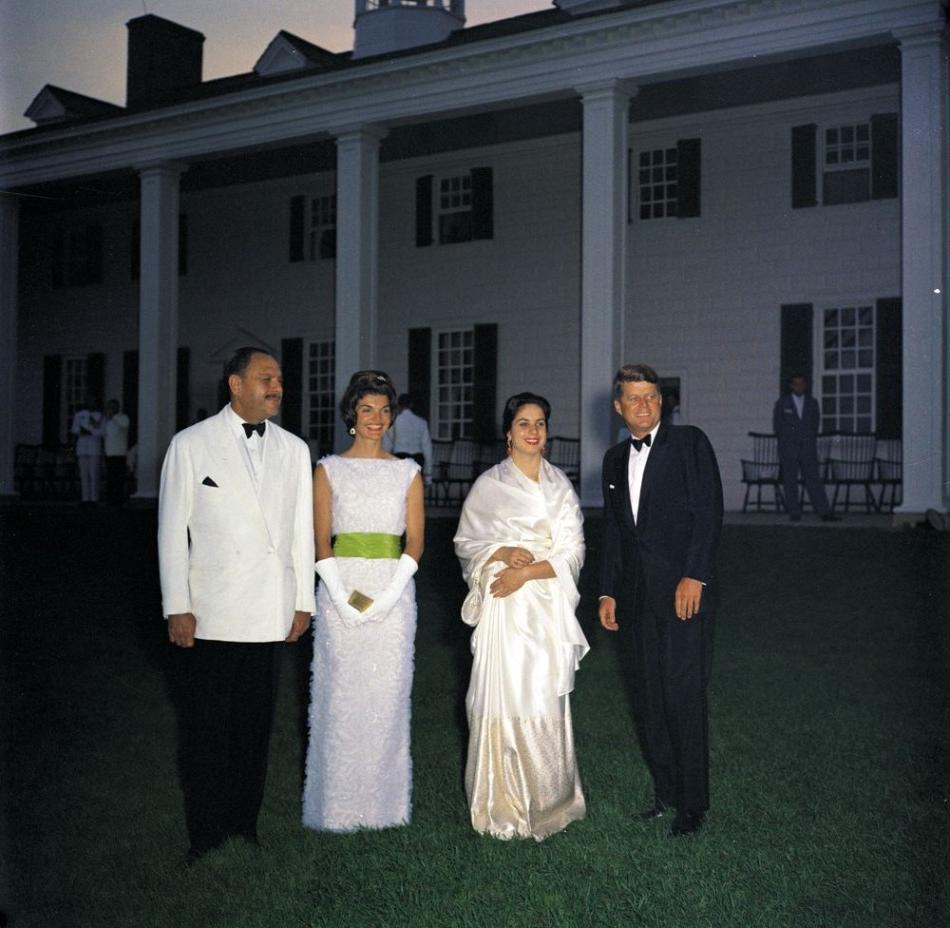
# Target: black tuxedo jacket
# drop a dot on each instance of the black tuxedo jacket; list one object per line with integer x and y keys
{"x": 680, "y": 519}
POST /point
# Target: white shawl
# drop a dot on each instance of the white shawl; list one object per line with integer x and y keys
{"x": 506, "y": 508}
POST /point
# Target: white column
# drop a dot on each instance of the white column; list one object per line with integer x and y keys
{"x": 603, "y": 255}
{"x": 158, "y": 320}
{"x": 924, "y": 270}
{"x": 9, "y": 249}
{"x": 357, "y": 252}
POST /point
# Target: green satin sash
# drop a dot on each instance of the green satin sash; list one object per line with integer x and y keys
{"x": 367, "y": 544}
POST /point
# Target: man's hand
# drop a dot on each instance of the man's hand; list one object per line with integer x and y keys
{"x": 181, "y": 629}
{"x": 300, "y": 625}
{"x": 689, "y": 592}
{"x": 507, "y": 581}
{"x": 607, "y": 611}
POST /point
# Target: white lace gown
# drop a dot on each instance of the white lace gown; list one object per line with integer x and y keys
{"x": 358, "y": 770}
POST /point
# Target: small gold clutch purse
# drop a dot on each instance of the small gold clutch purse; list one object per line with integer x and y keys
{"x": 359, "y": 601}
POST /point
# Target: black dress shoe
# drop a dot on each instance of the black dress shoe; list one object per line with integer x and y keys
{"x": 657, "y": 810}
{"x": 687, "y": 823}
{"x": 830, "y": 517}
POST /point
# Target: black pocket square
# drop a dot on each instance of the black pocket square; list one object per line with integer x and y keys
{"x": 208, "y": 482}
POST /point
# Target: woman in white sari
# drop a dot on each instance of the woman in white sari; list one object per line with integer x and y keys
{"x": 520, "y": 541}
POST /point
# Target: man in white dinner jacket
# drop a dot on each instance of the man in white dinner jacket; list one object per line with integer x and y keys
{"x": 236, "y": 556}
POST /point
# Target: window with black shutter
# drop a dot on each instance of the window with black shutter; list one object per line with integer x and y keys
{"x": 77, "y": 256}
{"x": 846, "y": 162}
{"x": 668, "y": 181}
{"x": 456, "y": 207}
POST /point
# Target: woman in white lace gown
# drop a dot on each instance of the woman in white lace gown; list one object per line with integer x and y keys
{"x": 520, "y": 541}
{"x": 358, "y": 770}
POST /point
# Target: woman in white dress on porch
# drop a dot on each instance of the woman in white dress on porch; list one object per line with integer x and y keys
{"x": 358, "y": 768}
{"x": 520, "y": 541}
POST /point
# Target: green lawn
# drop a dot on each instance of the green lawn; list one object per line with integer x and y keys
{"x": 830, "y": 739}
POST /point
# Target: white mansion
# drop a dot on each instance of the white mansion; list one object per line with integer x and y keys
{"x": 728, "y": 190}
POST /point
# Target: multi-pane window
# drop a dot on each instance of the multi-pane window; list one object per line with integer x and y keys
{"x": 657, "y": 175}
{"x": 77, "y": 256}
{"x": 847, "y": 164}
{"x": 323, "y": 227}
{"x": 455, "y": 377}
{"x": 847, "y": 382}
{"x": 455, "y": 208}
{"x": 321, "y": 371}
{"x": 74, "y": 387}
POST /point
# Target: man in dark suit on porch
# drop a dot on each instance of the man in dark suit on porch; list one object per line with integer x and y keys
{"x": 663, "y": 517}
{"x": 796, "y": 420}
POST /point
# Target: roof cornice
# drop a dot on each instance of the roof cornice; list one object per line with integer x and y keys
{"x": 643, "y": 44}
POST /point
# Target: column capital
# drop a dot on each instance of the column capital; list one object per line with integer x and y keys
{"x": 611, "y": 88}
{"x": 935, "y": 33}
{"x": 159, "y": 168}
{"x": 358, "y": 132}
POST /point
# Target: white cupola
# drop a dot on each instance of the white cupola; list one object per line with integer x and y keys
{"x": 384, "y": 26}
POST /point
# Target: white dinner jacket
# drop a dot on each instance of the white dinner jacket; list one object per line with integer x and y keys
{"x": 249, "y": 564}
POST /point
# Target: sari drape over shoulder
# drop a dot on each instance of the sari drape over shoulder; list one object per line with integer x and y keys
{"x": 521, "y": 776}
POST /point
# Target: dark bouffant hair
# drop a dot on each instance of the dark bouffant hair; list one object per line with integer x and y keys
{"x": 514, "y": 403}
{"x": 633, "y": 373}
{"x": 364, "y": 383}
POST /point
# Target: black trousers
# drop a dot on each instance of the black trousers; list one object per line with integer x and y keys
{"x": 228, "y": 714}
{"x": 672, "y": 662}
{"x": 115, "y": 479}
{"x": 804, "y": 458}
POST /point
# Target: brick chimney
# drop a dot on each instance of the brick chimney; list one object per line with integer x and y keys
{"x": 164, "y": 57}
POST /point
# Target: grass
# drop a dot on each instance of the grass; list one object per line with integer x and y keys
{"x": 830, "y": 734}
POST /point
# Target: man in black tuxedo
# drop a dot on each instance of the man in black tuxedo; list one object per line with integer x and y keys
{"x": 663, "y": 517}
{"x": 796, "y": 420}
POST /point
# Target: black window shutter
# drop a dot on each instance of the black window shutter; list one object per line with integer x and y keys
{"x": 183, "y": 388}
{"x": 96, "y": 376}
{"x": 423, "y": 211}
{"x": 484, "y": 428}
{"x": 796, "y": 343}
{"x": 52, "y": 398}
{"x": 296, "y": 228}
{"x": 58, "y": 258}
{"x": 483, "y": 204}
{"x": 92, "y": 272}
{"x": 630, "y": 185}
{"x": 889, "y": 369}
{"x": 885, "y": 152}
{"x": 130, "y": 393}
{"x": 804, "y": 173}
{"x": 182, "y": 244}
{"x": 291, "y": 362}
{"x": 688, "y": 160}
{"x": 420, "y": 370}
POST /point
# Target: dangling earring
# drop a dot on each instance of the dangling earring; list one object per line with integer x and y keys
{"x": 352, "y": 430}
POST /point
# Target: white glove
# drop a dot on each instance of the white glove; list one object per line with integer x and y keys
{"x": 329, "y": 572}
{"x": 383, "y": 604}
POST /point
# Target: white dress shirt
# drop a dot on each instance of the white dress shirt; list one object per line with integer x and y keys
{"x": 799, "y": 402}
{"x": 116, "y": 435}
{"x": 409, "y": 434}
{"x": 635, "y": 468}
{"x": 252, "y": 449}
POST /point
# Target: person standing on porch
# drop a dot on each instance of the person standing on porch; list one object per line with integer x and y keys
{"x": 409, "y": 437}
{"x": 796, "y": 421}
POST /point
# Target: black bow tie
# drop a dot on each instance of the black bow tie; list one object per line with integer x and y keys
{"x": 250, "y": 429}
{"x": 638, "y": 443}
